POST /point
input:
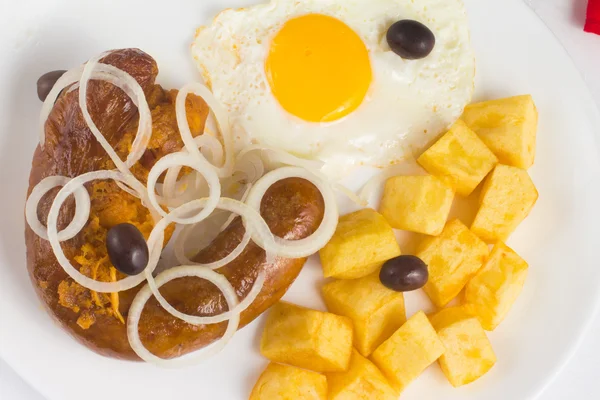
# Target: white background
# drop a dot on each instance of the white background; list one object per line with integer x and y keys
{"x": 578, "y": 380}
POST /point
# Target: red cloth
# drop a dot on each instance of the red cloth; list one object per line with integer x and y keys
{"x": 592, "y": 23}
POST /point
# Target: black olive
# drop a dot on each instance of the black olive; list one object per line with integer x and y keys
{"x": 127, "y": 249}
{"x": 46, "y": 83}
{"x": 410, "y": 39}
{"x": 404, "y": 274}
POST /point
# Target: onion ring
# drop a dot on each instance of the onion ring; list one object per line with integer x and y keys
{"x": 82, "y": 208}
{"x": 209, "y": 232}
{"x": 316, "y": 241}
{"x": 282, "y": 157}
{"x": 67, "y": 190}
{"x": 221, "y": 116}
{"x": 137, "y": 306}
{"x": 212, "y": 145}
{"x": 255, "y": 225}
{"x": 202, "y": 166}
{"x": 123, "y": 81}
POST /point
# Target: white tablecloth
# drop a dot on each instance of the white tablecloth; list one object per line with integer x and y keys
{"x": 579, "y": 378}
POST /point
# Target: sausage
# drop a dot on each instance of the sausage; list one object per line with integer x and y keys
{"x": 293, "y": 209}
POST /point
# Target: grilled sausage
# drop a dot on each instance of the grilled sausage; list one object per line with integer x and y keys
{"x": 292, "y": 208}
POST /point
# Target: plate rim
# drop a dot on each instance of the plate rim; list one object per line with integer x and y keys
{"x": 567, "y": 356}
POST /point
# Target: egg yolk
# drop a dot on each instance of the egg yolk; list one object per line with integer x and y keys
{"x": 318, "y": 68}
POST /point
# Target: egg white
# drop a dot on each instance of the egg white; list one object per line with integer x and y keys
{"x": 409, "y": 103}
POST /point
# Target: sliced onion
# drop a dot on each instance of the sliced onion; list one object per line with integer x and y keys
{"x": 214, "y": 319}
{"x": 350, "y": 194}
{"x": 70, "y": 188}
{"x": 129, "y": 85}
{"x": 314, "y": 166}
{"x": 179, "y": 246}
{"x": 282, "y": 157}
{"x": 170, "y": 182}
{"x": 303, "y": 247}
{"x": 172, "y": 192}
{"x": 251, "y": 166}
{"x": 221, "y": 116}
{"x": 82, "y": 208}
{"x": 239, "y": 249}
{"x": 369, "y": 189}
{"x": 133, "y": 89}
{"x": 253, "y": 222}
{"x": 210, "y": 230}
{"x": 210, "y": 144}
{"x": 137, "y": 306}
{"x": 232, "y": 216}
{"x": 202, "y": 166}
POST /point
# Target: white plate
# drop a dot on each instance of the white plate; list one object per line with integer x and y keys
{"x": 516, "y": 54}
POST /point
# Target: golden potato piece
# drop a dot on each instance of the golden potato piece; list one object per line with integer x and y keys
{"x": 284, "y": 382}
{"x": 507, "y": 197}
{"x": 417, "y": 203}
{"x": 492, "y": 292}
{"x": 452, "y": 258}
{"x": 375, "y": 310}
{"x": 459, "y": 159}
{"x": 305, "y": 338}
{"x": 362, "y": 242}
{"x": 362, "y": 381}
{"x": 409, "y": 351}
{"x": 508, "y": 127}
{"x": 469, "y": 354}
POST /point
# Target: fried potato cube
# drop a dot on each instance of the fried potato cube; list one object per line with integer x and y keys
{"x": 409, "y": 351}
{"x": 508, "y": 127}
{"x": 305, "y": 338}
{"x": 375, "y": 310}
{"x": 492, "y": 292}
{"x": 362, "y": 242}
{"x": 507, "y": 197}
{"x": 362, "y": 381}
{"x": 469, "y": 354}
{"x": 417, "y": 203}
{"x": 460, "y": 159}
{"x": 284, "y": 382}
{"x": 452, "y": 258}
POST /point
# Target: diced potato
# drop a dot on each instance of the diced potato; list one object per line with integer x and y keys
{"x": 507, "y": 197}
{"x": 375, "y": 310}
{"x": 508, "y": 127}
{"x": 305, "y": 338}
{"x": 459, "y": 159}
{"x": 492, "y": 292}
{"x": 417, "y": 203}
{"x": 284, "y": 382}
{"x": 469, "y": 354}
{"x": 409, "y": 351}
{"x": 362, "y": 242}
{"x": 453, "y": 258}
{"x": 362, "y": 381}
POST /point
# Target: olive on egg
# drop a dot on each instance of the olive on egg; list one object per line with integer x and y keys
{"x": 127, "y": 249}
{"x": 410, "y": 39}
{"x": 404, "y": 274}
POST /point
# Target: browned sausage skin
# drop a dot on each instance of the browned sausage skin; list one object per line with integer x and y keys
{"x": 293, "y": 209}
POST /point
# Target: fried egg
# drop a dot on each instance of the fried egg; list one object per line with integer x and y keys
{"x": 317, "y": 78}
